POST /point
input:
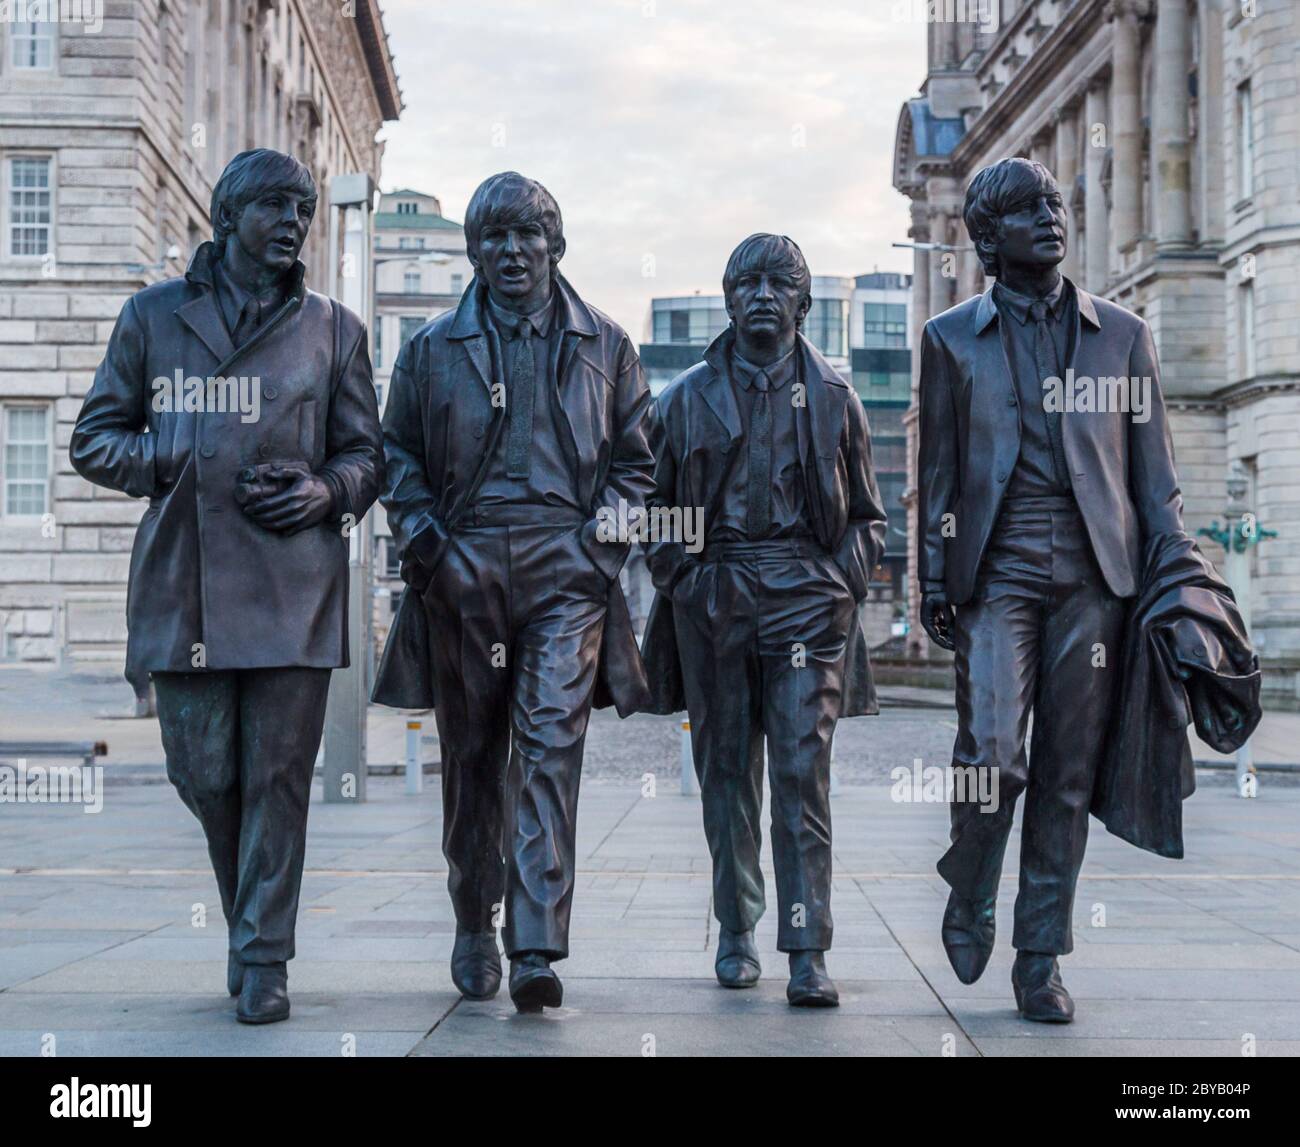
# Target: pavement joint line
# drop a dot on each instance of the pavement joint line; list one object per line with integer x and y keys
{"x": 636, "y": 873}
{"x": 627, "y": 812}
{"x": 902, "y": 947}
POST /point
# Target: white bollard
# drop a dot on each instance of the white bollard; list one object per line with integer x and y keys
{"x": 690, "y": 783}
{"x": 414, "y": 766}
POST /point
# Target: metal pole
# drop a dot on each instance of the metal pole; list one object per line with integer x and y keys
{"x": 1236, "y": 571}
{"x": 345, "y": 714}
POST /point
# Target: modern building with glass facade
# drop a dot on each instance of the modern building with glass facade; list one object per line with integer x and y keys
{"x": 861, "y": 324}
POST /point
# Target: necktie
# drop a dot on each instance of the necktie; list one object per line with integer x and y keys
{"x": 1049, "y": 367}
{"x": 759, "y": 502}
{"x": 521, "y": 402}
{"x": 250, "y": 318}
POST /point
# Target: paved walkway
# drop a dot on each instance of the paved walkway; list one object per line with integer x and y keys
{"x": 99, "y": 948}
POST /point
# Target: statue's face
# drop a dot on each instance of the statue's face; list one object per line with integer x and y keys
{"x": 273, "y": 227}
{"x": 767, "y": 304}
{"x": 514, "y": 258}
{"x": 1033, "y": 232}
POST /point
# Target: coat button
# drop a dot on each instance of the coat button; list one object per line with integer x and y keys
{"x": 208, "y": 452}
{"x": 1011, "y": 400}
{"x": 264, "y": 451}
{"x": 479, "y": 428}
{"x": 1002, "y": 477}
{"x": 269, "y": 392}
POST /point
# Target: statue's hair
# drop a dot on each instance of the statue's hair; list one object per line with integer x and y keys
{"x": 250, "y": 175}
{"x": 997, "y": 190}
{"x": 507, "y": 198}
{"x": 769, "y": 253}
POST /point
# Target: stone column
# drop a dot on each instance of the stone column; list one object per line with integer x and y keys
{"x": 1169, "y": 135}
{"x": 1066, "y": 171}
{"x": 920, "y": 281}
{"x": 1096, "y": 222}
{"x": 1126, "y": 121}
{"x": 940, "y": 286}
{"x": 1209, "y": 106}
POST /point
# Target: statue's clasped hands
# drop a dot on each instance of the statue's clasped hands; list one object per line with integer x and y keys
{"x": 285, "y": 497}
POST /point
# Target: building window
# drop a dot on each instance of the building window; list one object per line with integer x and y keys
{"x": 411, "y": 283}
{"x": 409, "y": 325}
{"x": 31, "y": 45}
{"x": 1245, "y": 143}
{"x": 457, "y": 284}
{"x": 379, "y": 341}
{"x": 392, "y": 563}
{"x": 884, "y": 324}
{"x": 1246, "y": 329}
{"x": 30, "y": 206}
{"x": 408, "y": 209}
{"x": 826, "y": 327}
{"x": 27, "y": 452}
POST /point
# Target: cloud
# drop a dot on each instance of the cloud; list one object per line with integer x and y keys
{"x": 666, "y": 128}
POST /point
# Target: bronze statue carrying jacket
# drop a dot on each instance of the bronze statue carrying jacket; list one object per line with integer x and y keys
{"x": 1121, "y": 469}
{"x": 697, "y": 433}
{"x": 203, "y": 573}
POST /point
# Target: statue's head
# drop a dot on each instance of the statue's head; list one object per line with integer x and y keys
{"x": 265, "y": 201}
{"x": 514, "y": 236}
{"x": 1015, "y": 216}
{"x": 767, "y": 287}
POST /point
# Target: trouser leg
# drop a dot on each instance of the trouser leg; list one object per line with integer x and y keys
{"x": 198, "y": 715}
{"x": 468, "y": 607}
{"x": 804, "y": 620}
{"x": 714, "y": 617}
{"x": 556, "y": 654}
{"x": 1079, "y": 660}
{"x": 997, "y": 639}
{"x": 281, "y": 717}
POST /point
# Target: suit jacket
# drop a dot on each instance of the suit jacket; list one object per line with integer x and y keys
{"x": 202, "y": 571}
{"x": 1187, "y": 660}
{"x": 441, "y": 427}
{"x": 1121, "y": 470}
{"x": 698, "y": 430}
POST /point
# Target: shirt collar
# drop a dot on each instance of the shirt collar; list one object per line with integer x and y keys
{"x": 234, "y": 298}
{"x": 1017, "y": 305}
{"x": 506, "y": 321}
{"x": 778, "y": 373}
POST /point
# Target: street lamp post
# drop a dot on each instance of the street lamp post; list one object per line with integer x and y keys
{"x": 1240, "y": 532}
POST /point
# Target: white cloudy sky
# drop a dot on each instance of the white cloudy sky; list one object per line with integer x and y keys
{"x": 668, "y": 130}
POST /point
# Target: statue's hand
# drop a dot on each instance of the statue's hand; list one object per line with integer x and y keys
{"x": 302, "y": 502}
{"x": 937, "y": 619}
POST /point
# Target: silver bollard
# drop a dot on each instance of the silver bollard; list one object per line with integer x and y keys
{"x": 414, "y": 766}
{"x": 690, "y": 783}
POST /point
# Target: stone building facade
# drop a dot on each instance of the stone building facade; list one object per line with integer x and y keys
{"x": 111, "y": 139}
{"x": 1173, "y": 128}
{"x": 421, "y": 270}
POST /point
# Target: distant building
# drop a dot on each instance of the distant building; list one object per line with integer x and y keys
{"x": 111, "y": 139}
{"x": 862, "y": 325}
{"x": 421, "y": 270}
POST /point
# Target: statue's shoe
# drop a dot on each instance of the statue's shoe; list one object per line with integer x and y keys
{"x": 476, "y": 964}
{"x": 969, "y": 927}
{"x": 810, "y": 986}
{"x": 264, "y": 998}
{"x": 234, "y": 974}
{"x": 737, "y": 963}
{"x": 534, "y": 984}
{"x": 1040, "y": 995}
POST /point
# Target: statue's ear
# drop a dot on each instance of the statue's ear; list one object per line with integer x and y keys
{"x": 805, "y": 305}
{"x": 471, "y": 253}
{"x": 557, "y": 250}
